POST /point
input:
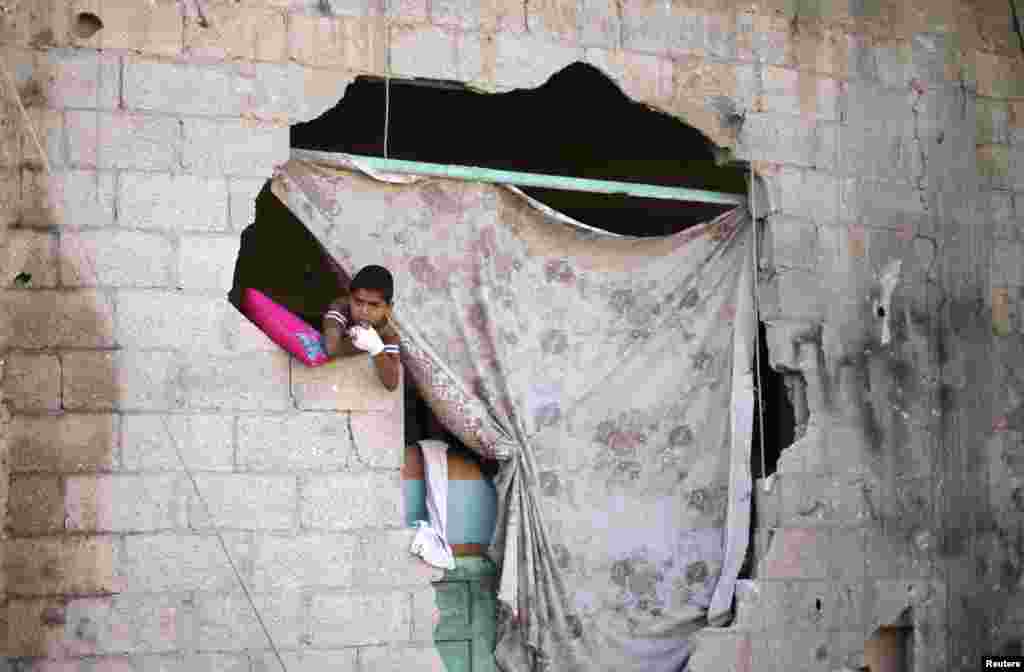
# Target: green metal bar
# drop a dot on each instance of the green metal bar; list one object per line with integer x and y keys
{"x": 475, "y": 174}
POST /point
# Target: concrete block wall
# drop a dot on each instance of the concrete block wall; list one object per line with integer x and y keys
{"x": 878, "y": 135}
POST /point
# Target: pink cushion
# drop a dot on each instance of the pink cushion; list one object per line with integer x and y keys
{"x": 282, "y": 327}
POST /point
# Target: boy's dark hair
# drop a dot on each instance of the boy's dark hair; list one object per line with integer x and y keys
{"x": 376, "y": 278}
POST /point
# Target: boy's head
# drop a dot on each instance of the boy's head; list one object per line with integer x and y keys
{"x": 371, "y": 291}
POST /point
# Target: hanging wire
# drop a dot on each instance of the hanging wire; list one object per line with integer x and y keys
{"x": 91, "y": 268}
{"x": 751, "y": 198}
{"x": 387, "y": 90}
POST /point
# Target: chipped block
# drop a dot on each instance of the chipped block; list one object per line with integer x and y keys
{"x": 33, "y": 253}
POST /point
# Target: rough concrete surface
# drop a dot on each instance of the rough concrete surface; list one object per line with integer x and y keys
{"x": 880, "y": 132}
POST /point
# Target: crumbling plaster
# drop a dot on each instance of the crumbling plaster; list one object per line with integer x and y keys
{"x": 879, "y": 134}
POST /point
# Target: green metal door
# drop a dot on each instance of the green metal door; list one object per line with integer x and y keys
{"x": 466, "y": 598}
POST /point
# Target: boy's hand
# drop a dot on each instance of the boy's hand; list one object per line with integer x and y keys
{"x": 367, "y": 339}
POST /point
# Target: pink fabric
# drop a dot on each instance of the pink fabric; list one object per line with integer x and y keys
{"x": 282, "y": 327}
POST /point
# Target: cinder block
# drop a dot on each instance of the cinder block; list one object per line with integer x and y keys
{"x": 244, "y": 502}
{"x": 32, "y": 627}
{"x": 205, "y": 441}
{"x": 119, "y": 258}
{"x": 998, "y": 75}
{"x": 250, "y": 33}
{"x": 463, "y": 14}
{"x": 60, "y": 565}
{"x": 32, "y": 382}
{"x": 357, "y": 44}
{"x": 1008, "y": 225}
{"x": 31, "y": 252}
{"x": 600, "y": 25}
{"x": 801, "y": 295}
{"x": 816, "y": 606}
{"x": 96, "y": 626}
{"x": 174, "y": 202}
{"x": 294, "y": 442}
{"x": 424, "y": 51}
{"x": 36, "y": 24}
{"x": 236, "y": 148}
{"x": 993, "y": 121}
{"x": 242, "y": 193}
{"x": 810, "y": 194}
{"x": 643, "y": 77}
{"x": 69, "y": 199}
{"x": 124, "y": 380}
{"x": 379, "y": 439}
{"x": 228, "y": 623}
{"x": 818, "y": 499}
{"x": 384, "y": 561}
{"x": 63, "y": 443}
{"x": 792, "y": 242}
{"x": 181, "y": 88}
{"x": 35, "y": 505}
{"x": 151, "y": 28}
{"x": 777, "y": 138}
{"x": 554, "y": 20}
{"x": 175, "y": 562}
{"x": 50, "y": 133}
{"x": 10, "y": 194}
{"x": 45, "y": 319}
{"x": 656, "y": 28}
{"x": 348, "y": 619}
{"x": 308, "y": 660}
{"x": 292, "y": 563}
{"x": 271, "y": 91}
{"x": 721, "y": 649}
{"x": 425, "y": 614}
{"x": 82, "y": 78}
{"x": 414, "y": 658}
{"x": 796, "y": 553}
{"x": 351, "y": 501}
{"x": 187, "y": 322}
{"x": 502, "y": 16}
{"x": 123, "y": 140}
{"x": 126, "y": 503}
{"x": 524, "y": 61}
{"x": 207, "y": 262}
{"x": 346, "y": 383}
{"x": 407, "y": 11}
{"x": 249, "y": 381}
{"x": 1006, "y": 264}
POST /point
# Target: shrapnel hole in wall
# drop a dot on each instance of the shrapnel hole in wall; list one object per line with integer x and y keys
{"x": 889, "y": 649}
{"x": 577, "y": 124}
{"x": 86, "y": 25}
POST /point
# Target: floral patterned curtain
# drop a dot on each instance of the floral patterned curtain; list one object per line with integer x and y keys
{"x": 610, "y": 375}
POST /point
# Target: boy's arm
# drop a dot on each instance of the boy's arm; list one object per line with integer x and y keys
{"x": 387, "y": 363}
{"x": 336, "y": 340}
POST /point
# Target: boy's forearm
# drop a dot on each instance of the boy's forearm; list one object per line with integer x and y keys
{"x": 388, "y": 369}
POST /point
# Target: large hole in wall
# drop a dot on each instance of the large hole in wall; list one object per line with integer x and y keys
{"x": 773, "y": 410}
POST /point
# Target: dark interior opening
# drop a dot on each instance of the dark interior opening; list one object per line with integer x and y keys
{"x": 577, "y": 124}
{"x": 778, "y": 416}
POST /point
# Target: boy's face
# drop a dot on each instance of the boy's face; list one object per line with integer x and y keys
{"x": 368, "y": 305}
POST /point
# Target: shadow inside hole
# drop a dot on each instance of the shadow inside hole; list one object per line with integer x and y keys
{"x": 87, "y": 24}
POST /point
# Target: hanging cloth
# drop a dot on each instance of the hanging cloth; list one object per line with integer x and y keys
{"x": 611, "y": 377}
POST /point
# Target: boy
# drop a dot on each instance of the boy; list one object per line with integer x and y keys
{"x": 359, "y": 322}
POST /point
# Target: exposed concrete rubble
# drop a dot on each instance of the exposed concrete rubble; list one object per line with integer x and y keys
{"x": 889, "y": 143}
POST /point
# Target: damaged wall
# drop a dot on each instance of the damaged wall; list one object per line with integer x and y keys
{"x": 881, "y": 132}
